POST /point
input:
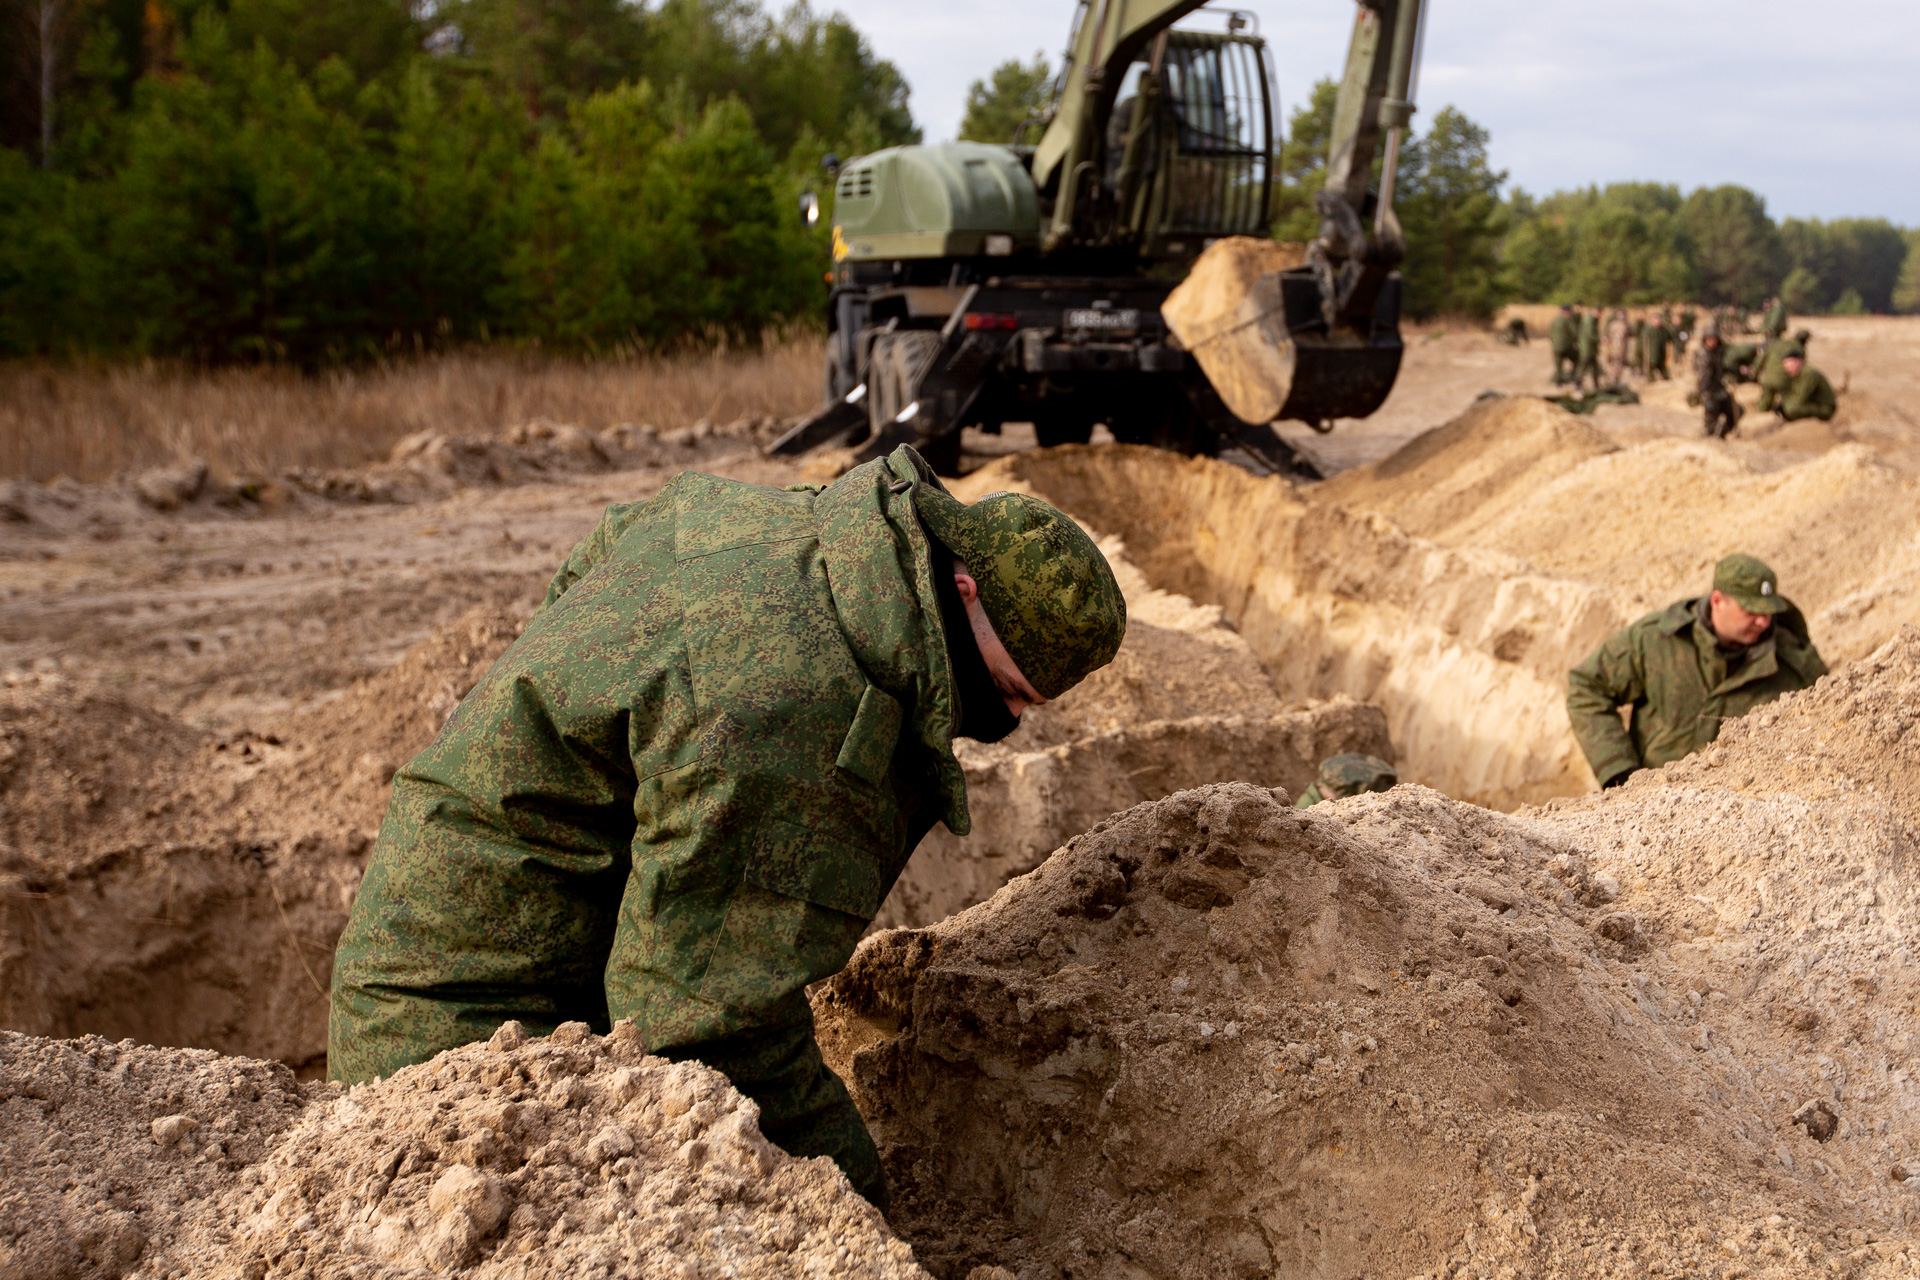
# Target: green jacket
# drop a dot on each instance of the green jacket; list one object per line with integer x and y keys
{"x": 1776, "y": 323}
{"x": 683, "y": 792}
{"x": 1589, "y": 334}
{"x": 1658, "y": 336}
{"x": 1669, "y": 669}
{"x": 1809, "y": 396}
{"x": 1773, "y": 372}
{"x": 1563, "y": 337}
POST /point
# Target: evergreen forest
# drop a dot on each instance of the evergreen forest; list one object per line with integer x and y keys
{"x": 311, "y": 182}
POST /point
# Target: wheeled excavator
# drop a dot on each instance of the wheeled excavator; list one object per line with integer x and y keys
{"x": 1121, "y": 271}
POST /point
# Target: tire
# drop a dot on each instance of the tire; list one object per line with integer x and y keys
{"x": 893, "y": 372}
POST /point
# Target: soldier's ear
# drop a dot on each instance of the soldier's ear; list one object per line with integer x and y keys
{"x": 969, "y": 589}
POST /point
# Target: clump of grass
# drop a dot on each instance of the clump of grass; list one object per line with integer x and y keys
{"x": 93, "y": 422}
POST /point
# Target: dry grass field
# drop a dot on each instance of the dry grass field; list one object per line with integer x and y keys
{"x": 95, "y": 422}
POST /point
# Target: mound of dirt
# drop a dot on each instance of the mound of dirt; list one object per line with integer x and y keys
{"x": 112, "y": 1148}
{"x": 1455, "y": 582}
{"x": 1445, "y": 484}
{"x": 181, "y": 888}
{"x": 1464, "y": 650}
{"x": 1657, "y": 1031}
{"x": 1183, "y": 703}
{"x": 563, "y": 1157}
{"x": 419, "y": 468}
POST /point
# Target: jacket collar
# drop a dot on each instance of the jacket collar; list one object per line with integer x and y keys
{"x": 1786, "y": 642}
{"x": 880, "y": 568}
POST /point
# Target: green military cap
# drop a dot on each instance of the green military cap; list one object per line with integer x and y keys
{"x": 1752, "y": 585}
{"x": 1048, "y": 591}
{"x": 1350, "y": 774}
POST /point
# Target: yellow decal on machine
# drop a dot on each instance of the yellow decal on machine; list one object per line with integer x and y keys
{"x": 839, "y": 244}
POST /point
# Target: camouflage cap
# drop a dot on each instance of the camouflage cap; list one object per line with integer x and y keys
{"x": 1048, "y": 591}
{"x": 1752, "y": 585}
{"x": 1349, "y": 775}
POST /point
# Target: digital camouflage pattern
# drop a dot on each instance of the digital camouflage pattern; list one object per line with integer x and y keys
{"x": 1669, "y": 669}
{"x": 1048, "y": 591}
{"x": 1809, "y": 395}
{"x": 1345, "y": 775}
{"x": 679, "y": 797}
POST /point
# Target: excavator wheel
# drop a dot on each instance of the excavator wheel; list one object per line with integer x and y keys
{"x": 899, "y": 359}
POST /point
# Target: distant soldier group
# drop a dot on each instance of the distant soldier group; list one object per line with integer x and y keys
{"x": 1580, "y": 340}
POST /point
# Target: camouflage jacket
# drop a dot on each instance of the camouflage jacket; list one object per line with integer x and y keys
{"x": 1563, "y": 336}
{"x": 1773, "y": 369}
{"x": 1669, "y": 669}
{"x": 1589, "y": 334}
{"x": 682, "y": 793}
{"x": 1809, "y": 396}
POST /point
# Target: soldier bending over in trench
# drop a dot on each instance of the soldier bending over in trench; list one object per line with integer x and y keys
{"x": 1686, "y": 670}
{"x": 684, "y": 791}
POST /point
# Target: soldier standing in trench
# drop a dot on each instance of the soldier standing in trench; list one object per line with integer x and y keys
{"x": 1563, "y": 340}
{"x": 1589, "y": 366}
{"x": 1688, "y": 669}
{"x": 684, "y": 791}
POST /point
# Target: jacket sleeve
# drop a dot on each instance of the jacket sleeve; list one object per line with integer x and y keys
{"x": 1612, "y": 676}
{"x": 588, "y": 552}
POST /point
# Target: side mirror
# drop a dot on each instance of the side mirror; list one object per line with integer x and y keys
{"x": 809, "y": 208}
{"x": 831, "y": 163}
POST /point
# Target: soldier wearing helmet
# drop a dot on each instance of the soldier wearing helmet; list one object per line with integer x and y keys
{"x": 684, "y": 791}
{"x": 1683, "y": 672}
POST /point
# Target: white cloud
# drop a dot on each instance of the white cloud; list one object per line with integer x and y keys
{"x": 1815, "y": 106}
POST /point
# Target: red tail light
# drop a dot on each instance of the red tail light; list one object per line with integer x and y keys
{"x": 988, "y": 320}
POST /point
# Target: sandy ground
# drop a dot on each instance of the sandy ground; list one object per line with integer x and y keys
{"x": 1876, "y": 357}
{"x": 217, "y": 617}
{"x": 1659, "y": 1031}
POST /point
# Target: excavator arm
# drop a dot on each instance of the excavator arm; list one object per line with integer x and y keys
{"x": 1108, "y": 36}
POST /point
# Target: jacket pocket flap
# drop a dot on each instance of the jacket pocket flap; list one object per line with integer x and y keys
{"x": 799, "y": 862}
{"x": 867, "y": 752}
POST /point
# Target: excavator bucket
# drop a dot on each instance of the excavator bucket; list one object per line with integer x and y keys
{"x": 1250, "y": 313}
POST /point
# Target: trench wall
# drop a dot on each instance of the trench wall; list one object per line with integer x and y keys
{"x": 1465, "y": 650}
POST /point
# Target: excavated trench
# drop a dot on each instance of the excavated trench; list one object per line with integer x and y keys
{"x": 1200, "y": 1033}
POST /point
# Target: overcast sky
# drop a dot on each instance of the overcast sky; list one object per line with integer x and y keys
{"x": 1815, "y": 104}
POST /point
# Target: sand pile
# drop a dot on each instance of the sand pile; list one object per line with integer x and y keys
{"x": 565, "y": 1157}
{"x": 178, "y": 887}
{"x": 1454, "y": 582}
{"x": 1645, "y": 524}
{"x": 1661, "y": 1031}
{"x": 1716, "y": 1055}
{"x": 1185, "y": 702}
{"x": 420, "y": 468}
{"x": 111, "y": 1149}
{"x": 1462, "y": 649}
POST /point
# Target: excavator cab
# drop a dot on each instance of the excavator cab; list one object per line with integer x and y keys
{"x": 1204, "y": 167}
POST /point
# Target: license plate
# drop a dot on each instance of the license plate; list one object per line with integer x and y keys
{"x": 1090, "y": 320}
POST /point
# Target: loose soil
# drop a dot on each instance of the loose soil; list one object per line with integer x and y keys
{"x": 1656, "y": 1031}
{"x": 1660, "y": 1032}
{"x": 571, "y": 1156}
